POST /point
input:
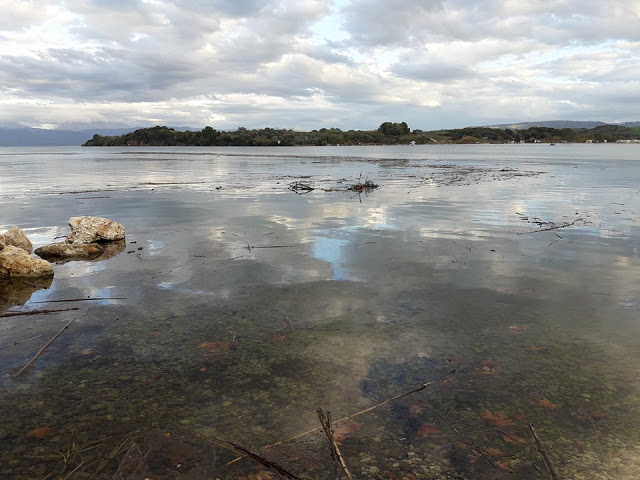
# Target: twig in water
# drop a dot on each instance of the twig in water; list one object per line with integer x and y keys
{"x": 83, "y": 299}
{"x": 267, "y": 463}
{"x": 554, "y": 226}
{"x": 35, "y": 357}
{"x": 335, "y": 450}
{"x": 543, "y": 454}
{"x": 12, "y": 344}
{"x": 289, "y": 322}
{"x": 300, "y": 188}
{"x": 36, "y": 312}
{"x": 363, "y": 187}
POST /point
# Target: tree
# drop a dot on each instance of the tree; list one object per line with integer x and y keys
{"x": 394, "y": 129}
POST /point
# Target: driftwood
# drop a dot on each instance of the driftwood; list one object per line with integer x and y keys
{"x": 543, "y": 454}
{"x": 300, "y": 187}
{"x": 363, "y": 186}
{"x": 335, "y": 450}
{"x": 39, "y": 352}
{"x": 36, "y": 312}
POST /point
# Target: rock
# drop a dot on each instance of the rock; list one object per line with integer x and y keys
{"x": 16, "y": 237}
{"x": 3, "y": 242}
{"x": 70, "y": 251}
{"x": 15, "y": 262}
{"x": 94, "y": 229}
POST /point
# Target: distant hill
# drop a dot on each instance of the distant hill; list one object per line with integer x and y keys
{"x": 39, "y": 137}
{"x": 12, "y": 136}
{"x": 552, "y": 124}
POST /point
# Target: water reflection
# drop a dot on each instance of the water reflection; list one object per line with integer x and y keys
{"x": 248, "y": 307}
{"x": 330, "y": 250}
{"x": 18, "y": 291}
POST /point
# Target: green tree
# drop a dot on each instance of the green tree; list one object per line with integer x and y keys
{"x": 394, "y": 129}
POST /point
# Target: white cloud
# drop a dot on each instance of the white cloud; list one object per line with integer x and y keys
{"x": 309, "y": 64}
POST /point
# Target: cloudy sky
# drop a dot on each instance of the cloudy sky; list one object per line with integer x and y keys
{"x": 307, "y": 64}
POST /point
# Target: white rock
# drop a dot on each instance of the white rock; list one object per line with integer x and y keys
{"x": 94, "y": 229}
{"x": 16, "y": 237}
{"x": 69, "y": 251}
{"x": 15, "y": 262}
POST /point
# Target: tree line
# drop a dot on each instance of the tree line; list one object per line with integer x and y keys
{"x": 389, "y": 133}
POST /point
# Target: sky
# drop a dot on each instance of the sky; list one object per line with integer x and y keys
{"x": 308, "y": 64}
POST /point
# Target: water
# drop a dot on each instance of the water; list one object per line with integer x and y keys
{"x": 248, "y": 306}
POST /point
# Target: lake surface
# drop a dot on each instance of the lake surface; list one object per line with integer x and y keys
{"x": 508, "y": 276}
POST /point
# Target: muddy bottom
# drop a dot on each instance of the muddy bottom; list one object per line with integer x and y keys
{"x": 504, "y": 279}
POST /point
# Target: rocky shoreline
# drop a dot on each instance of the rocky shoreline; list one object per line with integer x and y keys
{"x": 90, "y": 238}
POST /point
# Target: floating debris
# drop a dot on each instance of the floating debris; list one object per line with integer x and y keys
{"x": 300, "y": 187}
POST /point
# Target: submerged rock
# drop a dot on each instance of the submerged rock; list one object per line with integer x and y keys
{"x": 16, "y": 237}
{"x": 69, "y": 251}
{"x": 15, "y": 262}
{"x": 94, "y": 229}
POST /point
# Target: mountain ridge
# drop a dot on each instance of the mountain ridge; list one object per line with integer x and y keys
{"x": 560, "y": 124}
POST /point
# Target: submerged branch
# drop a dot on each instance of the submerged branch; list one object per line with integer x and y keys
{"x": 335, "y": 450}
{"x": 267, "y": 463}
{"x": 39, "y": 352}
{"x": 82, "y": 299}
{"x": 36, "y": 312}
{"x": 543, "y": 454}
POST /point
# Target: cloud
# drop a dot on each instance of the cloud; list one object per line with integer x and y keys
{"x": 433, "y": 72}
{"x": 315, "y": 63}
{"x": 417, "y": 22}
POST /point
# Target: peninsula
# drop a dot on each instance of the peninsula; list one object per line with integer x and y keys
{"x": 387, "y": 134}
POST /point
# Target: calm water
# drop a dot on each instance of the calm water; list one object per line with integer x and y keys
{"x": 238, "y": 307}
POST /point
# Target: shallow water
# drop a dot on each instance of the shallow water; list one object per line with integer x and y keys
{"x": 248, "y": 306}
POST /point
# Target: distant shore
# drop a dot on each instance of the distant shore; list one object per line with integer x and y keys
{"x": 387, "y": 134}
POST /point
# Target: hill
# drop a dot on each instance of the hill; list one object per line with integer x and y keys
{"x": 40, "y": 137}
{"x": 552, "y": 124}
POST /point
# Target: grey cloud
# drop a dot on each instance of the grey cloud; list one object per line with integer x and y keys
{"x": 413, "y": 22}
{"x": 104, "y": 75}
{"x": 433, "y": 72}
{"x": 474, "y": 55}
{"x": 327, "y": 55}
